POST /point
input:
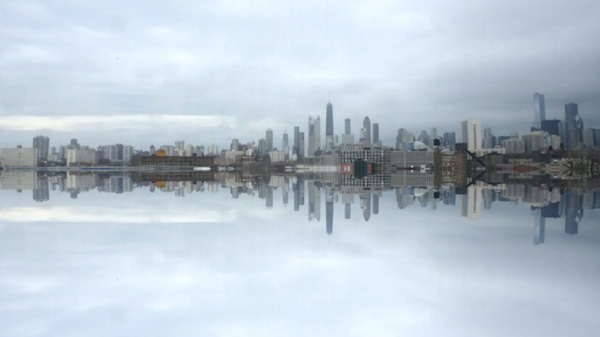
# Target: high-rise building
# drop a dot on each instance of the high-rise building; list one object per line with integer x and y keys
{"x": 488, "y": 139}
{"x": 367, "y": 127}
{"x": 269, "y": 140}
{"x": 347, "y": 137}
{"x": 434, "y": 136}
{"x": 42, "y": 144}
{"x": 262, "y": 147}
{"x": 235, "y": 144}
{"x": 376, "y": 133}
{"x": 296, "y": 147}
{"x": 329, "y": 127}
{"x": 471, "y": 134}
{"x": 535, "y": 141}
{"x": 314, "y": 136}
{"x": 301, "y": 146}
{"x": 573, "y": 135}
{"x": 552, "y": 126}
{"x": 403, "y": 139}
{"x": 449, "y": 140}
{"x": 539, "y": 109}
{"x": 285, "y": 146}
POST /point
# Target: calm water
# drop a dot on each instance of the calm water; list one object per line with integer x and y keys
{"x": 185, "y": 259}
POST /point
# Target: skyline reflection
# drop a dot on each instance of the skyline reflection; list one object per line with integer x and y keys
{"x": 314, "y": 193}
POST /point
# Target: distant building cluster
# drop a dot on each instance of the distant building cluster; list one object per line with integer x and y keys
{"x": 309, "y": 146}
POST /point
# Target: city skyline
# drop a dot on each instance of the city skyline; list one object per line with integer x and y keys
{"x": 568, "y": 133}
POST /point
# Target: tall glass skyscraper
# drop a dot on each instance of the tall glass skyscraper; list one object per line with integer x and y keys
{"x": 329, "y": 126}
{"x": 539, "y": 108}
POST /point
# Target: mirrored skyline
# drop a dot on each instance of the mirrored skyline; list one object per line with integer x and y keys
{"x": 314, "y": 195}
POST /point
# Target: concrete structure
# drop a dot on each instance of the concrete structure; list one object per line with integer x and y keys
{"x": 42, "y": 144}
{"x": 513, "y": 145}
{"x": 81, "y": 157}
{"x": 314, "y": 136}
{"x": 573, "y": 126}
{"x": 539, "y": 109}
{"x": 376, "y": 134}
{"x": 367, "y": 128}
{"x": 269, "y": 140}
{"x": 285, "y": 146}
{"x": 536, "y": 141}
{"x": 471, "y": 134}
{"x": 403, "y": 139}
{"x": 329, "y": 143}
{"x": 18, "y": 157}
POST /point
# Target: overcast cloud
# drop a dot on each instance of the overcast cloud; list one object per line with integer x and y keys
{"x": 250, "y": 65}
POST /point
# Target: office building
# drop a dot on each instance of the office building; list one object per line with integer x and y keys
{"x": 471, "y": 134}
{"x": 488, "y": 139}
{"x": 85, "y": 157}
{"x": 296, "y": 147}
{"x": 269, "y": 140}
{"x": 367, "y": 131}
{"x": 376, "y": 134}
{"x": 329, "y": 127}
{"x": 573, "y": 126}
{"x": 42, "y": 144}
{"x": 513, "y": 145}
{"x": 19, "y": 157}
{"x": 285, "y": 146}
{"x": 536, "y": 141}
{"x": 314, "y": 136}
{"x": 539, "y": 109}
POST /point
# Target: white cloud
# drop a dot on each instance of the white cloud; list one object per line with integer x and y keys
{"x": 111, "y": 215}
{"x": 110, "y": 122}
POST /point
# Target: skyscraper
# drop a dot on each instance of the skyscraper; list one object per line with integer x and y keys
{"x": 296, "y": 147}
{"x": 367, "y": 127}
{"x": 471, "y": 134}
{"x": 573, "y": 135}
{"x": 376, "y": 133}
{"x": 329, "y": 127}
{"x": 269, "y": 139}
{"x": 347, "y": 137}
{"x": 539, "y": 109}
{"x": 488, "y": 142}
{"x": 314, "y": 135}
{"x": 42, "y": 144}
{"x": 285, "y": 146}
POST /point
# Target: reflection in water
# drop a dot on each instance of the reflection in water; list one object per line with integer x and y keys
{"x": 327, "y": 188}
{"x": 225, "y": 256}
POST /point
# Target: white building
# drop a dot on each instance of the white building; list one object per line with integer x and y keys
{"x": 513, "y": 145}
{"x": 536, "y": 141}
{"x": 471, "y": 134}
{"x": 18, "y": 157}
{"x": 81, "y": 157}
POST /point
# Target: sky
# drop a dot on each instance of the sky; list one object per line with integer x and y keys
{"x": 155, "y": 72}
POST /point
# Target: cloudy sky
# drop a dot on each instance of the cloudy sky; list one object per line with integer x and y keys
{"x": 154, "y": 72}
